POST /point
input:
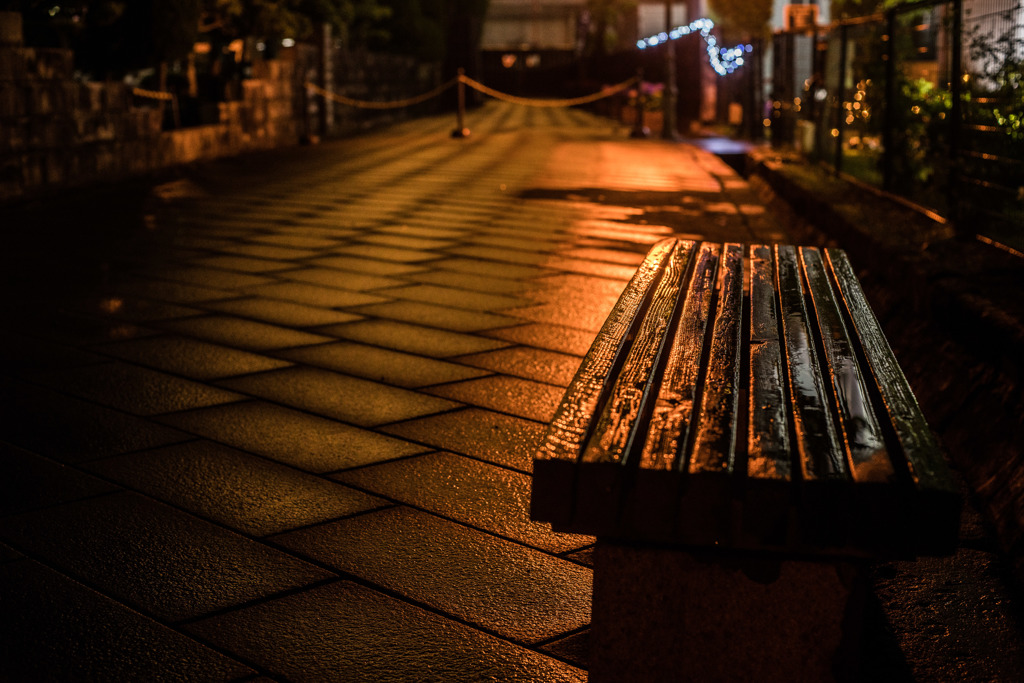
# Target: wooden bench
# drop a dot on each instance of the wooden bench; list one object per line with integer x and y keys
{"x": 739, "y": 438}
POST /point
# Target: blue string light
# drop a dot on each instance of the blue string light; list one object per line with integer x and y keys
{"x": 723, "y": 60}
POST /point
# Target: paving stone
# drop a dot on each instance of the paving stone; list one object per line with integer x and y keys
{"x": 71, "y": 329}
{"x": 245, "y": 492}
{"x": 626, "y": 258}
{"x": 401, "y": 336}
{"x": 609, "y": 230}
{"x": 574, "y": 648}
{"x": 314, "y": 295}
{"x": 350, "y": 399}
{"x": 70, "y": 430}
{"x": 517, "y": 592}
{"x": 589, "y": 316}
{"x": 383, "y": 365}
{"x": 135, "y": 389}
{"x": 311, "y": 443}
{"x": 242, "y": 264}
{"x": 294, "y": 241}
{"x": 498, "y": 438}
{"x": 457, "y": 320}
{"x": 167, "y": 291}
{"x": 207, "y": 277}
{"x": 515, "y": 271}
{"x": 540, "y": 241}
{"x": 331, "y": 277}
{"x": 344, "y": 627}
{"x": 190, "y": 357}
{"x": 471, "y": 282}
{"x": 158, "y": 559}
{"x": 484, "y": 496}
{"x": 383, "y": 253}
{"x": 611, "y": 271}
{"x": 31, "y": 481}
{"x": 502, "y": 255}
{"x": 576, "y": 288}
{"x": 512, "y": 395}
{"x": 585, "y": 556}
{"x": 243, "y": 334}
{"x": 405, "y": 241}
{"x": 272, "y": 252}
{"x": 455, "y": 298}
{"x": 423, "y": 231}
{"x": 56, "y": 629}
{"x": 286, "y": 313}
{"x": 545, "y": 336}
{"x": 131, "y": 308}
{"x": 357, "y": 264}
{"x": 542, "y": 366}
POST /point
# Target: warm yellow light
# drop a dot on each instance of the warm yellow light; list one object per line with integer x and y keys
{"x": 201, "y": 48}
{"x": 111, "y": 305}
{"x": 835, "y": 132}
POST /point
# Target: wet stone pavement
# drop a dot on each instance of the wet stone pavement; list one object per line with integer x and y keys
{"x": 273, "y": 418}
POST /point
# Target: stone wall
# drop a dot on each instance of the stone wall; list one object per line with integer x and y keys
{"x": 56, "y": 131}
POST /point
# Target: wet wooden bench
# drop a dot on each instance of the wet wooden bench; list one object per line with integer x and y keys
{"x": 739, "y": 438}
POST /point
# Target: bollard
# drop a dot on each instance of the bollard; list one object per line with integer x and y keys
{"x": 639, "y": 129}
{"x": 460, "y": 127}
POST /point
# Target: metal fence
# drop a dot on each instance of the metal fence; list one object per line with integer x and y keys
{"x": 925, "y": 101}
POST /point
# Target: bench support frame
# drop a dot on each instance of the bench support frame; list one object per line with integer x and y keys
{"x": 668, "y": 614}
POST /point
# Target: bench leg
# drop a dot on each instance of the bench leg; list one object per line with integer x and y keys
{"x": 676, "y": 615}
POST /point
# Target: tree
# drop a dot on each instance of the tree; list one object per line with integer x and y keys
{"x": 742, "y": 20}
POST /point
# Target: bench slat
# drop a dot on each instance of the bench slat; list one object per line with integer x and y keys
{"x": 554, "y": 473}
{"x": 817, "y": 447}
{"x": 937, "y": 503}
{"x": 714, "y": 450}
{"x": 603, "y": 464}
{"x": 862, "y": 436}
{"x": 768, "y": 455}
{"x": 664, "y": 449}
{"x": 927, "y": 470}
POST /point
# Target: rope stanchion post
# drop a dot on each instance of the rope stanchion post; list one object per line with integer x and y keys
{"x": 639, "y": 129}
{"x": 460, "y": 126}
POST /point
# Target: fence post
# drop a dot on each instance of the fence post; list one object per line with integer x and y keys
{"x": 956, "y": 83}
{"x": 639, "y": 129}
{"x": 671, "y": 93}
{"x": 891, "y": 93}
{"x": 840, "y": 92}
{"x": 460, "y": 127}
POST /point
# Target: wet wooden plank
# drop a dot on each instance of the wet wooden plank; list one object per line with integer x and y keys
{"x": 768, "y": 455}
{"x": 714, "y": 450}
{"x": 664, "y": 448}
{"x": 610, "y": 452}
{"x": 706, "y": 509}
{"x": 938, "y": 501}
{"x": 819, "y": 455}
{"x": 766, "y": 515}
{"x": 554, "y": 463}
{"x": 862, "y": 437}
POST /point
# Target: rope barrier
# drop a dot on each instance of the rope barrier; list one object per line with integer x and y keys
{"x": 369, "y": 104}
{"x": 476, "y": 85}
{"x": 463, "y": 80}
{"x": 570, "y": 102}
{"x": 153, "y": 94}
